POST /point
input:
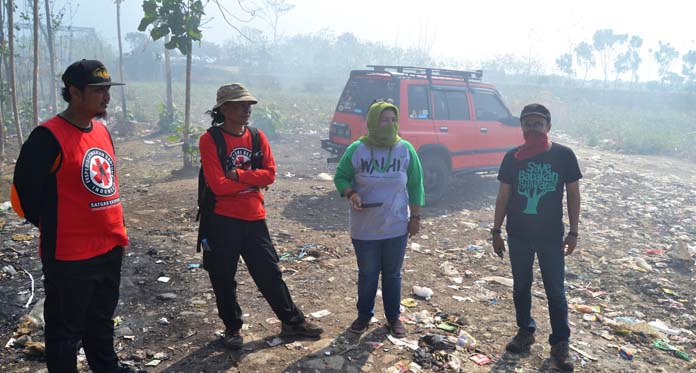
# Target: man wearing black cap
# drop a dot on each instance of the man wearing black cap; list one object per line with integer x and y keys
{"x": 65, "y": 183}
{"x": 532, "y": 178}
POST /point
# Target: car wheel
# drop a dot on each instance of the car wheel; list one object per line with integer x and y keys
{"x": 436, "y": 174}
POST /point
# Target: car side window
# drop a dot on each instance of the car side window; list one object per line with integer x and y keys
{"x": 457, "y": 105}
{"x": 418, "y": 106}
{"x": 451, "y": 105}
{"x": 440, "y": 101}
{"x": 488, "y": 106}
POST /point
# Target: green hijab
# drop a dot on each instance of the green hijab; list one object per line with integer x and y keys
{"x": 381, "y": 136}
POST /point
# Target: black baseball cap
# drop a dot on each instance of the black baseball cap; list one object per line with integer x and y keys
{"x": 87, "y": 73}
{"x": 536, "y": 109}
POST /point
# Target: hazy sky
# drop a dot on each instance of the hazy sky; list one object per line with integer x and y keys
{"x": 458, "y": 29}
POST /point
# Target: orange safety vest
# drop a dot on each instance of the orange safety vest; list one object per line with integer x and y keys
{"x": 90, "y": 214}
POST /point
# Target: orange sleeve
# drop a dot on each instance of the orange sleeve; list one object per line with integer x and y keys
{"x": 14, "y": 200}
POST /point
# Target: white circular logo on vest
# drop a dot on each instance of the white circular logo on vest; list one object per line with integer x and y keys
{"x": 98, "y": 172}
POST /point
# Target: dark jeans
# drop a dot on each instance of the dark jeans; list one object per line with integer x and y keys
{"x": 81, "y": 297}
{"x": 375, "y": 256}
{"x": 228, "y": 239}
{"x": 552, "y": 265}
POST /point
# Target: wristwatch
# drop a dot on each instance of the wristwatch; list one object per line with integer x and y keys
{"x": 495, "y": 232}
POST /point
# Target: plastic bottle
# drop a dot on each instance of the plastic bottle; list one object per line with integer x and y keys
{"x": 206, "y": 247}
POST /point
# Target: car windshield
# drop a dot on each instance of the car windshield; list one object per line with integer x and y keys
{"x": 360, "y": 92}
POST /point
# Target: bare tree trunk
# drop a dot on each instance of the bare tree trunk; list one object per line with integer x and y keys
{"x": 168, "y": 77}
{"x": 35, "y": 71}
{"x": 3, "y": 135}
{"x": 120, "y": 60}
{"x": 13, "y": 81}
{"x": 187, "y": 109}
{"x": 51, "y": 56}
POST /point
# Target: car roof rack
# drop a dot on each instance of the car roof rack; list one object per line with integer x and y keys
{"x": 428, "y": 72}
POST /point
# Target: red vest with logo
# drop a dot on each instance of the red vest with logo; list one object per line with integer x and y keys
{"x": 90, "y": 215}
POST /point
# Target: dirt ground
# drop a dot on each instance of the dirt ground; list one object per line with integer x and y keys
{"x": 631, "y": 205}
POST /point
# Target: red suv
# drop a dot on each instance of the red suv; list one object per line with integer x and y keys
{"x": 455, "y": 122}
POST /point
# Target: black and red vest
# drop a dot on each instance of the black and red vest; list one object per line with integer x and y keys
{"x": 89, "y": 212}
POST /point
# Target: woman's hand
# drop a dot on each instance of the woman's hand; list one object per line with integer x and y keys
{"x": 355, "y": 201}
{"x": 232, "y": 174}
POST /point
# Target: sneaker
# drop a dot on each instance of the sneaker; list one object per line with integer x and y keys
{"x": 359, "y": 326}
{"x": 233, "y": 339}
{"x": 561, "y": 358}
{"x": 304, "y": 329}
{"x": 521, "y": 342}
{"x": 397, "y": 328}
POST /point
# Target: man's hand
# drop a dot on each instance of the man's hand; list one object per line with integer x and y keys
{"x": 232, "y": 174}
{"x": 499, "y": 246}
{"x": 569, "y": 244}
{"x": 413, "y": 227}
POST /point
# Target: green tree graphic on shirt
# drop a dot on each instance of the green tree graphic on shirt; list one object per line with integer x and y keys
{"x": 534, "y": 183}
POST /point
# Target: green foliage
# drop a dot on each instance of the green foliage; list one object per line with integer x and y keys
{"x": 181, "y": 19}
{"x": 565, "y": 64}
{"x": 584, "y": 56}
{"x": 194, "y": 133}
{"x": 169, "y": 120}
{"x": 664, "y": 56}
{"x": 268, "y": 119}
{"x": 607, "y": 45}
{"x": 689, "y": 66}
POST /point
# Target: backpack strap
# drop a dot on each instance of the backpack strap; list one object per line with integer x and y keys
{"x": 256, "y": 153}
{"x": 220, "y": 144}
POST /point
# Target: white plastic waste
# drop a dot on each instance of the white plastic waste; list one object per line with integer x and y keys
{"x": 661, "y": 326}
{"x": 423, "y": 292}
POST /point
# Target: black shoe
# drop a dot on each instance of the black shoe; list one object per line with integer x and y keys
{"x": 233, "y": 339}
{"x": 359, "y": 326}
{"x": 304, "y": 329}
{"x": 521, "y": 342}
{"x": 397, "y": 328}
{"x": 561, "y": 358}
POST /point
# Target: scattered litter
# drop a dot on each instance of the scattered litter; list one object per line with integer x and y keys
{"x": 148, "y": 142}
{"x": 480, "y": 359}
{"x": 447, "y": 327}
{"x": 583, "y": 353}
{"x": 409, "y": 302}
{"x": 438, "y": 342}
{"x": 324, "y": 177}
{"x": 164, "y": 279}
{"x": 476, "y": 248}
{"x": 499, "y": 280}
{"x": 163, "y": 321}
{"x": 153, "y": 363}
{"x": 321, "y": 313}
{"x": 585, "y": 308}
{"x": 22, "y": 237}
{"x": 448, "y": 269}
{"x": 466, "y": 341}
{"x": 422, "y": 292}
{"x": 664, "y": 328}
{"x": 626, "y": 352}
{"x": 274, "y": 342}
{"x": 272, "y": 320}
{"x": 193, "y": 266}
{"x": 403, "y": 342}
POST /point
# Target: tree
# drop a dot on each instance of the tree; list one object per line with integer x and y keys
{"x": 689, "y": 66}
{"x": 35, "y": 74}
{"x": 3, "y": 53}
{"x": 271, "y": 13}
{"x": 584, "y": 57}
{"x": 607, "y": 44}
{"x": 181, "y": 19}
{"x": 664, "y": 57}
{"x": 634, "y": 59}
{"x": 51, "y": 55}
{"x": 168, "y": 78}
{"x": 565, "y": 64}
{"x": 538, "y": 180}
{"x": 12, "y": 77}
{"x": 120, "y": 60}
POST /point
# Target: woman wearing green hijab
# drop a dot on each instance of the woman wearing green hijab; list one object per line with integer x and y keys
{"x": 381, "y": 176}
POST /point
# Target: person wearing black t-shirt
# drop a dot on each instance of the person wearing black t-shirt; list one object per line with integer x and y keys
{"x": 532, "y": 179}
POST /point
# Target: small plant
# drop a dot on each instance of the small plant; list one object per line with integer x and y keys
{"x": 267, "y": 119}
{"x": 169, "y": 120}
{"x": 194, "y": 133}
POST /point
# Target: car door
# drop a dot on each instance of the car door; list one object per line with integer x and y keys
{"x": 416, "y": 121}
{"x": 492, "y": 118}
{"x": 455, "y": 127}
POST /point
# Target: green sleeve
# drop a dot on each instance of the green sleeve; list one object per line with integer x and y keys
{"x": 414, "y": 184}
{"x": 344, "y": 171}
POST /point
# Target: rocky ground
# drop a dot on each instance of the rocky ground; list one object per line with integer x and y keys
{"x": 633, "y": 266}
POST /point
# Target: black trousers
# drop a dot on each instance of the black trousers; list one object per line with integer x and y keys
{"x": 81, "y": 297}
{"x": 228, "y": 239}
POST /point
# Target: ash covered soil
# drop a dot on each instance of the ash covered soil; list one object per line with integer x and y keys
{"x": 638, "y": 231}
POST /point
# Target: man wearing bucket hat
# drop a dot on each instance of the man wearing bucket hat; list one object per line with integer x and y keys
{"x": 65, "y": 183}
{"x": 532, "y": 180}
{"x": 237, "y": 226}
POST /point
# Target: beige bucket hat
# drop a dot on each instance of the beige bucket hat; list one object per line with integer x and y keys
{"x": 233, "y": 92}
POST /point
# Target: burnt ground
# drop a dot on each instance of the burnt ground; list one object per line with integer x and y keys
{"x": 631, "y": 205}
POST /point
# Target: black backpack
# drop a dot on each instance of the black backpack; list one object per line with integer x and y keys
{"x": 206, "y": 197}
